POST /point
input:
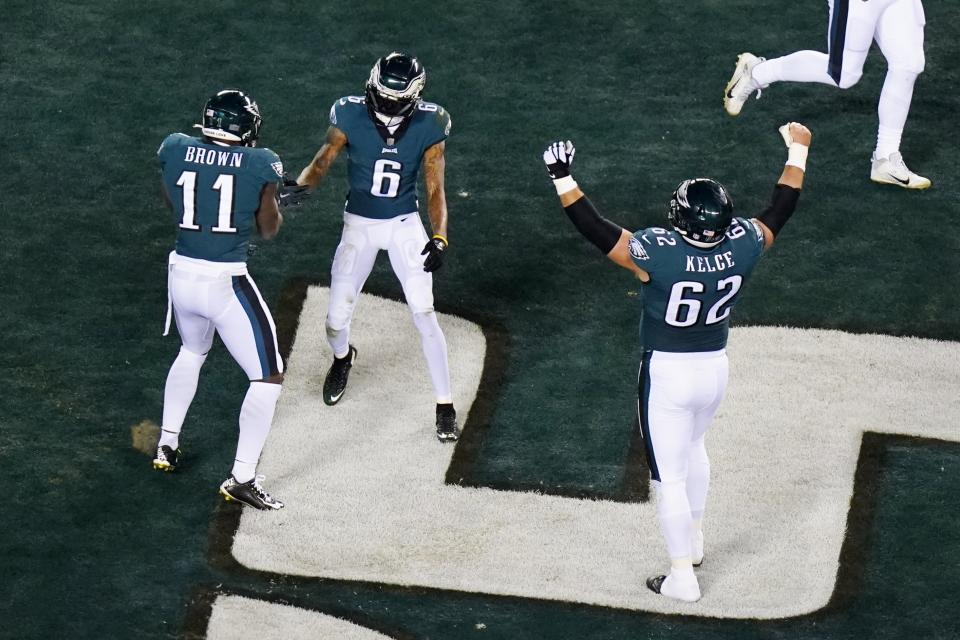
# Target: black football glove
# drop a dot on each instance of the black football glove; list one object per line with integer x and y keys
{"x": 292, "y": 194}
{"x": 434, "y": 252}
{"x": 558, "y": 157}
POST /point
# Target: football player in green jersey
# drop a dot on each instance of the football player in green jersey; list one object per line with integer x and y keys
{"x": 389, "y": 134}
{"x": 692, "y": 275}
{"x": 222, "y": 188}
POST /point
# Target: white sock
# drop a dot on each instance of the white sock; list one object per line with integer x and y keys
{"x": 435, "y": 350}
{"x": 894, "y": 106}
{"x": 802, "y": 66}
{"x": 256, "y": 416}
{"x": 178, "y": 393}
{"x": 339, "y": 340}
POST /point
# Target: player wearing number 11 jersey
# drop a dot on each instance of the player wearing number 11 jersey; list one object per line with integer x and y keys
{"x": 389, "y": 133}
{"x": 692, "y": 276}
{"x": 221, "y": 188}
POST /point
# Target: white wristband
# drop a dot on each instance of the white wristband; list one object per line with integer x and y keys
{"x": 797, "y": 155}
{"x": 564, "y": 184}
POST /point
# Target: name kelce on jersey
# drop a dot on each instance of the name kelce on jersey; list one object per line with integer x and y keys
{"x": 710, "y": 264}
{"x": 199, "y": 155}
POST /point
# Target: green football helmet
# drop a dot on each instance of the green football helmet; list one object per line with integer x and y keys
{"x": 231, "y": 116}
{"x": 701, "y": 211}
{"x": 395, "y": 84}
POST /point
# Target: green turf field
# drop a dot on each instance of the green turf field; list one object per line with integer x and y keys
{"x": 95, "y": 544}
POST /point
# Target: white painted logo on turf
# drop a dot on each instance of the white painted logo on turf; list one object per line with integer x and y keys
{"x": 364, "y": 481}
{"x": 238, "y": 617}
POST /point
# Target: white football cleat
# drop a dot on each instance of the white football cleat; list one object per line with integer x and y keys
{"x": 892, "y": 170}
{"x": 741, "y": 85}
{"x": 686, "y": 589}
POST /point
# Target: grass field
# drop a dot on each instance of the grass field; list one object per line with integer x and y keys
{"x": 94, "y": 544}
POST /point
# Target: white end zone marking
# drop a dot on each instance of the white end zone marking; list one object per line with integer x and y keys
{"x": 363, "y": 481}
{"x": 238, "y": 617}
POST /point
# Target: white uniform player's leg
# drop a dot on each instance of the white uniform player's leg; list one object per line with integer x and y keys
{"x": 196, "y": 333}
{"x": 407, "y": 241}
{"x": 900, "y": 37}
{"x": 351, "y": 267}
{"x": 698, "y": 466}
{"x": 849, "y": 36}
{"x": 667, "y": 422}
{"x": 246, "y": 327}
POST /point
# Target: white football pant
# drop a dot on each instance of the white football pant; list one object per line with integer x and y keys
{"x": 210, "y": 297}
{"x": 207, "y": 298}
{"x": 896, "y": 26}
{"x": 403, "y": 238}
{"x": 679, "y": 394}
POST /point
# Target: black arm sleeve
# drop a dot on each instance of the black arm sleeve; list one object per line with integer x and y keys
{"x": 594, "y": 227}
{"x": 782, "y": 206}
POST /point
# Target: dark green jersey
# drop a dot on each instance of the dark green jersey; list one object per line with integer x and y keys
{"x": 687, "y": 303}
{"x": 215, "y": 192}
{"x": 383, "y": 167}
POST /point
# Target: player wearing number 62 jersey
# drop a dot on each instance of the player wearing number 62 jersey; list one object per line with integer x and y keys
{"x": 692, "y": 276}
{"x": 389, "y": 133}
{"x": 221, "y": 188}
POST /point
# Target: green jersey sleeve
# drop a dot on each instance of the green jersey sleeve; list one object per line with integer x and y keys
{"x": 270, "y": 168}
{"x": 645, "y": 248}
{"x": 169, "y": 144}
{"x": 748, "y": 237}
{"x": 440, "y": 123}
{"x": 345, "y": 111}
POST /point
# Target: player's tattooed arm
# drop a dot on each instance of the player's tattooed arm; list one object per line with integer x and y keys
{"x": 785, "y": 195}
{"x": 434, "y": 164}
{"x": 312, "y": 173}
{"x": 268, "y": 215}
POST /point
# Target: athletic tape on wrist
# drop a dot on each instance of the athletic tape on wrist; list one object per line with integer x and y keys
{"x": 565, "y": 184}
{"x": 797, "y": 155}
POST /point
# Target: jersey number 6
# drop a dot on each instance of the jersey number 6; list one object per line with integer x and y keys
{"x": 386, "y": 183}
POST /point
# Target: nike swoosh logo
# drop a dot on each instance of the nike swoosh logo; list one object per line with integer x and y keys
{"x": 404, "y": 219}
{"x": 336, "y": 397}
{"x": 903, "y": 182}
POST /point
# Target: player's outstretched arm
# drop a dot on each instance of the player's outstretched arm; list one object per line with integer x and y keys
{"x": 434, "y": 165}
{"x": 314, "y": 172}
{"x": 785, "y": 195}
{"x": 268, "y": 214}
{"x": 609, "y": 237}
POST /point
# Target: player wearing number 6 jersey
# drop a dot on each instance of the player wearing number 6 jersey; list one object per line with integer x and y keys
{"x": 221, "y": 187}
{"x": 389, "y": 133}
{"x": 692, "y": 275}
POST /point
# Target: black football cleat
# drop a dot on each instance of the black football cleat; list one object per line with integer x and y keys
{"x": 167, "y": 459}
{"x": 447, "y": 429}
{"x": 655, "y": 583}
{"x": 249, "y": 493}
{"x": 687, "y": 591}
{"x": 336, "y": 381}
